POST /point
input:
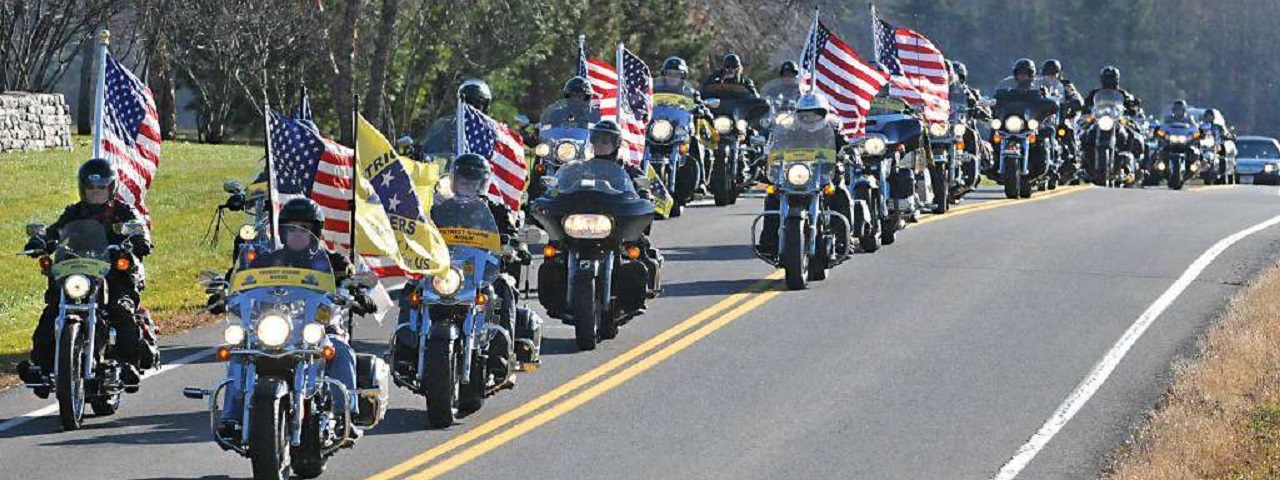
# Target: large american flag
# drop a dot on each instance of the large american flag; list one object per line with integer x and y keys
{"x": 604, "y": 82}
{"x": 848, "y": 82}
{"x": 505, "y": 150}
{"x": 130, "y": 133}
{"x": 303, "y": 163}
{"x": 918, "y": 69}
{"x": 635, "y": 105}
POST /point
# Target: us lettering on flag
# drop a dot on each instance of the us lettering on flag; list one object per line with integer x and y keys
{"x": 848, "y": 82}
{"x": 917, "y": 68}
{"x": 635, "y": 104}
{"x": 129, "y": 132}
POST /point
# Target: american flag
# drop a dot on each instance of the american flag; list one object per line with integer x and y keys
{"x": 847, "y": 81}
{"x": 130, "y": 133}
{"x": 635, "y": 105}
{"x": 303, "y": 163}
{"x": 504, "y": 149}
{"x": 918, "y": 69}
{"x": 604, "y": 82}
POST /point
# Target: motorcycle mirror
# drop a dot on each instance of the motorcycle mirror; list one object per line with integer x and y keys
{"x": 232, "y": 186}
{"x": 713, "y": 102}
{"x": 35, "y": 229}
{"x": 550, "y": 182}
{"x": 522, "y": 119}
{"x": 363, "y": 280}
{"x": 131, "y": 227}
{"x": 643, "y": 183}
{"x": 207, "y": 276}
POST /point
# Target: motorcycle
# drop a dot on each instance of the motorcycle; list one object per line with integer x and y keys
{"x": 1178, "y": 152}
{"x": 1112, "y": 165}
{"x": 676, "y": 145}
{"x": 85, "y": 370}
{"x": 294, "y": 417}
{"x": 803, "y": 168}
{"x": 896, "y": 128}
{"x": 1027, "y": 155}
{"x": 564, "y": 137}
{"x": 735, "y": 110}
{"x": 252, "y": 202}
{"x": 458, "y": 326}
{"x": 595, "y": 274}
{"x": 954, "y": 172}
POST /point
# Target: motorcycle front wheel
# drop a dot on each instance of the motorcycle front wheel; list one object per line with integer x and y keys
{"x": 794, "y": 260}
{"x": 941, "y": 188}
{"x": 309, "y": 462}
{"x": 70, "y": 381}
{"x": 586, "y": 313}
{"x": 1012, "y": 178}
{"x": 471, "y": 394}
{"x": 269, "y": 442}
{"x": 441, "y": 380}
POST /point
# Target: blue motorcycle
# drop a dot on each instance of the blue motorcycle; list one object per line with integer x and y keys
{"x": 563, "y": 137}
{"x": 673, "y": 148}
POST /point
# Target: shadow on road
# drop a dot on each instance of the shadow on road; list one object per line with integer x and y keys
{"x": 161, "y": 429}
{"x": 704, "y": 288}
{"x": 559, "y": 346}
{"x": 702, "y": 254}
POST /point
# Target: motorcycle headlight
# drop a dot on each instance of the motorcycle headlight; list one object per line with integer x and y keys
{"x": 1106, "y": 123}
{"x": 661, "y": 130}
{"x": 1177, "y": 139}
{"x": 566, "y": 151}
{"x": 233, "y": 335}
{"x": 273, "y": 329}
{"x": 542, "y": 150}
{"x": 248, "y": 232}
{"x": 785, "y": 119}
{"x": 996, "y": 124}
{"x": 1033, "y": 124}
{"x": 723, "y": 124}
{"x": 1014, "y": 124}
{"x": 76, "y": 286}
{"x": 957, "y": 129}
{"x": 937, "y": 130}
{"x": 742, "y": 125}
{"x": 448, "y": 283}
{"x": 1160, "y": 166}
{"x": 313, "y": 333}
{"x": 874, "y": 146}
{"x": 1206, "y": 142}
{"x": 588, "y": 226}
{"x": 1268, "y": 168}
{"x": 799, "y": 174}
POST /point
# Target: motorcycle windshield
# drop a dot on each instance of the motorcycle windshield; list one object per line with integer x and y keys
{"x": 737, "y": 102}
{"x": 811, "y": 144}
{"x": 679, "y": 87}
{"x": 282, "y": 290}
{"x": 1108, "y": 101}
{"x": 299, "y": 262}
{"x": 469, "y": 229}
{"x": 676, "y": 112}
{"x": 781, "y": 93}
{"x": 82, "y": 249}
{"x": 1030, "y": 104}
{"x": 596, "y": 175}
{"x": 564, "y": 130}
{"x": 1010, "y": 83}
{"x": 441, "y": 140}
{"x": 881, "y": 106}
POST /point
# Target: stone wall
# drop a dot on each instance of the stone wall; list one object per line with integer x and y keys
{"x": 34, "y": 121}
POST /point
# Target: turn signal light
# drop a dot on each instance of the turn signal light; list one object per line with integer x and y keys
{"x": 633, "y": 252}
{"x": 684, "y": 149}
{"x": 122, "y": 264}
{"x": 1032, "y": 139}
{"x": 549, "y": 251}
{"x": 770, "y": 189}
{"x": 224, "y": 354}
{"x": 1062, "y": 132}
{"x": 1159, "y": 133}
{"x": 996, "y": 138}
{"x": 328, "y": 352}
{"x": 542, "y": 169}
{"x": 960, "y": 145}
{"x": 415, "y": 298}
{"x": 482, "y": 299}
{"x": 46, "y": 263}
{"x": 829, "y": 190}
{"x": 251, "y": 255}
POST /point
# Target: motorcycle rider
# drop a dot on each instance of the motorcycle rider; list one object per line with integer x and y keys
{"x": 576, "y": 90}
{"x": 1023, "y": 78}
{"x": 301, "y": 224}
{"x": 1178, "y": 112}
{"x": 606, "y": 141}
{"x": 812, "y": 110}
{"x": 135, "y": 336}
{"x": 441, "y": 137}
{"x": 1069, "y": 99}
{"x": 788, "y": 84}
{"x": 731, "y": 72}
{"x": 1109, "y": 78}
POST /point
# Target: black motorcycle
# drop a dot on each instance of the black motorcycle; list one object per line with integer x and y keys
{"x": 596, "y": 272}
{"x": 737, "y": 113}
{"x": 1023, "y": 127}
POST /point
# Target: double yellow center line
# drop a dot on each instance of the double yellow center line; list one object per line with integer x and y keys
{"x": 618, "y": 371}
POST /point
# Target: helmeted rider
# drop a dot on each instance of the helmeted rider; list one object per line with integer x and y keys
{"x": 788, "y": 83}
{"x": 1178, "y": 112}
{"x": 812, "y": 114}
{"x": 135, "y": 337}
{"x": 1109, "y": 78}
{"x": 606, "y": 143}
{"x": 300, "y": 225}
{"x": 1069, "y": 100}
{"x": 1023, "y": 77}
{"x": 578, "y": 88}
{"x": 576, "y": 92}
{"x": 731, "y": 72}
{"x": 441, "y": 136}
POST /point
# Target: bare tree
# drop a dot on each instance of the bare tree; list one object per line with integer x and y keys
{"x": 39, "y": 39}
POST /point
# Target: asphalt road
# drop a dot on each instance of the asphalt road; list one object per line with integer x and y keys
{"x": 935, "y": 358}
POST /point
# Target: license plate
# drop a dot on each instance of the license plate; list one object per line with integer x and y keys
{"x": 1246, "y": 179}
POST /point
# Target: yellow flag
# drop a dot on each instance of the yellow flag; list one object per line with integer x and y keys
{"x": 393, "y": 207}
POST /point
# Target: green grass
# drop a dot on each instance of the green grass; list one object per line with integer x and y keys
{"x": 182, "y": 199}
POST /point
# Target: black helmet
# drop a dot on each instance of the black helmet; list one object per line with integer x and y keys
{"x": 476, "y": 93}
{"x": 97, "y": 173}
{"x": 675, "y": 63}
{"x": 1051, "y": 67}
{"x": 302, "y": 211}
{"x": 962, "y": 72}
{"x": 607, "y": 131}
{"x": 1110, "y": 76}
{"x": 470, "y": 174}
{"x": 1024, "y": 64}
{"x": 578, "y": 88}
{"x": 732, "y": 60}
{"x": 789, "y": 69}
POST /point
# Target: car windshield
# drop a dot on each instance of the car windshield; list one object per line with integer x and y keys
{"x": 1257, "y": 149}
{"x": 596, "y": 174}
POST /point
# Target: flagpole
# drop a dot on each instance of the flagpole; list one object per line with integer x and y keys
{"x": 271, "y": 181}
{"x": 622, "y": 81}
{"x": 460, "y": 136}
{"x": 582, "y": 45}
{"x": 355, "y": 184}
{"x": 813, "y": 56}
{"x": 100, "y": 100}
{"x": 875, "y": 25}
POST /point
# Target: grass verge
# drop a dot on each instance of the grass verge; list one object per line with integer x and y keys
{"x": 1221, "y": 417}
{"x": 182, "y": 199}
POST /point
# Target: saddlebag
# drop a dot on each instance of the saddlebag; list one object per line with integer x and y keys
{"x": 631, "y": 285}
{"x": 552, "y": 278}
{"x": 373, "y": 382}
{"x": 528, "y": 337}
{"x": 902, "y": 184}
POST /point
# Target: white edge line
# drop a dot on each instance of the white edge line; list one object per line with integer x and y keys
{"x": 50, "y": 409}
{"x": 1091, "y": 383}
